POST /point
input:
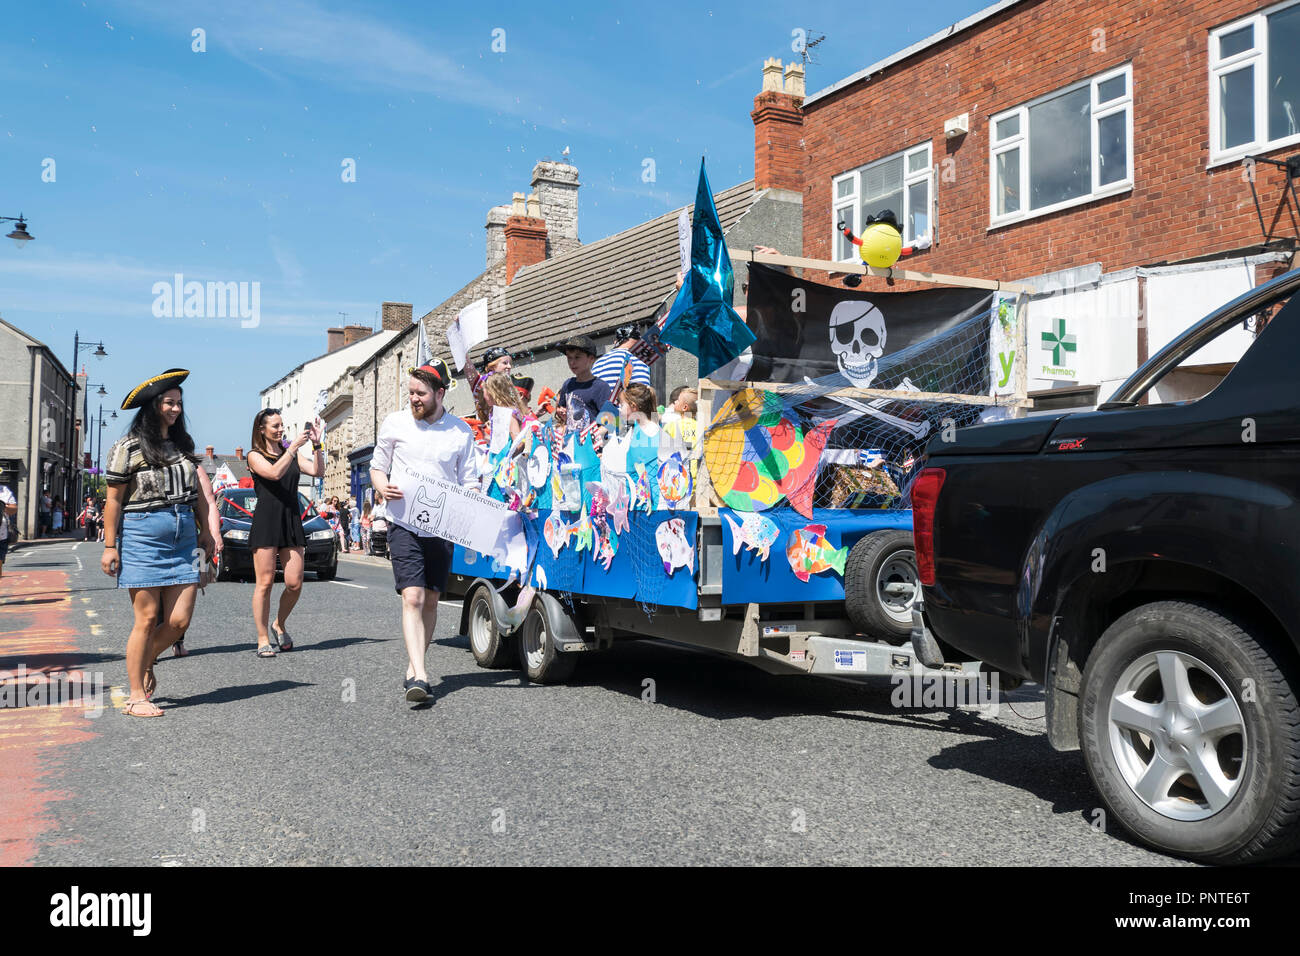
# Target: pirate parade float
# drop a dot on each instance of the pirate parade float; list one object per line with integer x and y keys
{"x": 784, "y": 534}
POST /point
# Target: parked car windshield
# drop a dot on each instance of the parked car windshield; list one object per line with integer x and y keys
{"x": 242, "y": 503}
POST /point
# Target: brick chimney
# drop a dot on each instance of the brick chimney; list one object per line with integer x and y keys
{"x": 239, "y": 452}
{"x": 355, "y": 333}
{"x": 496, "y": 234}
{"x": 525, "y": 235}
{"x": 211, "y": 452}
{"x": 334, "y": 338}
{"x": 396, "y": 316}
{"x": 778, "y": 128}
{"x": 556, "y": 187}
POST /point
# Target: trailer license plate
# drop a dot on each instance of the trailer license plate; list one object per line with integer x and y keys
{"x": 850, "y": 660}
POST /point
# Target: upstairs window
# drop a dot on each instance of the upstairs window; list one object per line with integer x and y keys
{"x": 1255, "y": 83}
{"x": 1063, "y": 149}
{"x": 903, "y": 182}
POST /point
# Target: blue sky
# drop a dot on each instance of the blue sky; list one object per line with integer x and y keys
{"x": 226, "y": 165}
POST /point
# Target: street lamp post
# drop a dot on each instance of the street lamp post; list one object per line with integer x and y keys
{"x": 77, "y": 347}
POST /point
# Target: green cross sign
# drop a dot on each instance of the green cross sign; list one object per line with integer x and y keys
{"x": 1058, "y": 341}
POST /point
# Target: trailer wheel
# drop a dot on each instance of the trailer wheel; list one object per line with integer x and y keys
{"x": 542, "y": 663}
{"x": 490, "y": 647}
{"x": 881, "y": 584}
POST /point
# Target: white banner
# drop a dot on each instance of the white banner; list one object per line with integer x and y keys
{"x": 433, "y": 506}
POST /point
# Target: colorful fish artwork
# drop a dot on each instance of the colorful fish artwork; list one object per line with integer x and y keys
{"x": 642, "y": 493}
{"x": 539, "y": 465}
{"x": 674, "y": 481}
{"x": 756, "y": 532}
{"x": 556, "y": 531}
{"x": 584, "y": 535}
{"x": 599, "y": 501}
{"x": 674, "y": 549}
{"x": 606, "y": 547}
{"x": 619, "y": 501}
{"x": 810, "y": 553}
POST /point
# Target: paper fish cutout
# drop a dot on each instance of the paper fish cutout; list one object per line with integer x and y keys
{"x": 756, "y": 532}
{"x": 642, "y": 495}
{"x": 515, "y": 616}
{"x": 556, "y": 531}
{"x": 674, "y": 480}
{"x": 539, "y": 465}
{"x": 619, "y": 501}
{"x": 606, "y": 548}
{"x": 599, "y": 500}
{"x": 674, "y": 549}
{"x": 810, "y": 553}
{"x": 584, "y": 535}
{"x": 801, "y": 477}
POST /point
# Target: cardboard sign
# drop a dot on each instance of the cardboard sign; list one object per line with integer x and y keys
{"x": 433, "y": 506}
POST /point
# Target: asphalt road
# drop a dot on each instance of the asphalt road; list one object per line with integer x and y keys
{"x": 314, "y": 757}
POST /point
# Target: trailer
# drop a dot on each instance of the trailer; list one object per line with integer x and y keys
{"x": 727, "y": 601}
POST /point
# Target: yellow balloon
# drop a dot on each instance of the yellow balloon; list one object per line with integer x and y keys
{"x": 881, "y": 245}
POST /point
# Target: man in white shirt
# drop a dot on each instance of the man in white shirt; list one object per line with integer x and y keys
{"x": 424, "y": 438}
{"x": 8, "y": 510}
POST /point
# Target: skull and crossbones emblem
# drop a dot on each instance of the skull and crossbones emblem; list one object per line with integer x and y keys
{"x": 857, "y": 331}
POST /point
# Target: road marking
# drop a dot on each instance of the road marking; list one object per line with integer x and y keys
{"x": 346, "y": 585}
{"x": 76, "y": 546}
{"x": 79, "y": 567}
{"x": 96, "y": 630}
{"x": 90, "y": 613}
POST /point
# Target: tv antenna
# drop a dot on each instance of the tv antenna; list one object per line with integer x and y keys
{"x": 806, "y": 54}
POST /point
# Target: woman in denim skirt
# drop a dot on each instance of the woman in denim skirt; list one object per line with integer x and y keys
{"x": 151, "y": 543}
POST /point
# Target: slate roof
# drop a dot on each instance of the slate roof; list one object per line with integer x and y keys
{"x": 597, "y": 287}
{"x": 238, "y": 467}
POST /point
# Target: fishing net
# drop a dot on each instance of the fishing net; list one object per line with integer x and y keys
{"x": 647, "y": 566}
{"x": 803, "y": 447}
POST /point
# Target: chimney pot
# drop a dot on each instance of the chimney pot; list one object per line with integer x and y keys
{"x": 518, "y": 205}
{"x": 794, "y": 80}
{"x": 772, "y": 75}
{"x": 239, "y": 452}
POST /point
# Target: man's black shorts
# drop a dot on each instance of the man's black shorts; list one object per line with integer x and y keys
{"x": 418, "y": 562}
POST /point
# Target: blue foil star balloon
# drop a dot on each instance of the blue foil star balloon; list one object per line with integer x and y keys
{"x": 702, "y": 320}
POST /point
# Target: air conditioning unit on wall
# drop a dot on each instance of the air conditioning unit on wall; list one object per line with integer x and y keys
{"x": 957, "y": 126}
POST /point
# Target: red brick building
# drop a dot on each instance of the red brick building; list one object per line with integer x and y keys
{"x": 1106, "y": 141}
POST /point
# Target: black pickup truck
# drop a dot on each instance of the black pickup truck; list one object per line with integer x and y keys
{"x": 1142, "y": 562}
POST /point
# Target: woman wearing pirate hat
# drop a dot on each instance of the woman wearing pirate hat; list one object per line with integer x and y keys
{"x": 150, "y": 537}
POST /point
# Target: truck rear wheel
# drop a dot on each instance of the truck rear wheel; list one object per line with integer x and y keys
{"x": 542, "y": 663}
{"x": 489, "y": 646}
{"x": 1190, "y": 729}
{"x": 881, "y": 584}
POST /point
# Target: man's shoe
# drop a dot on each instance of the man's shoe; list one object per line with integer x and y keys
{"x": 417, "y": 691}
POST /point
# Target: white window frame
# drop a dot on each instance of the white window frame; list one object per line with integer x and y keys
{"x": 923, "y": 175}
{"x": 1257, "y": 56}
{"x": 1020, "y": 141}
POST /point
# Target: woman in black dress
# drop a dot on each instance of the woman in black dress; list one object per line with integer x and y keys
{"x": 277, "y": 521}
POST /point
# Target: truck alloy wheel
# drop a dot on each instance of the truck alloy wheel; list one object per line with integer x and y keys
{"x": 490, "y": 647}
{"x": 1190, "y": 729}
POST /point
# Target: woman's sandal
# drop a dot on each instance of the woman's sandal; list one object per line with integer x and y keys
{"x": 133, "y": 708}
{"x": 265, "y": 650}
{"x": 281, "y": 638}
